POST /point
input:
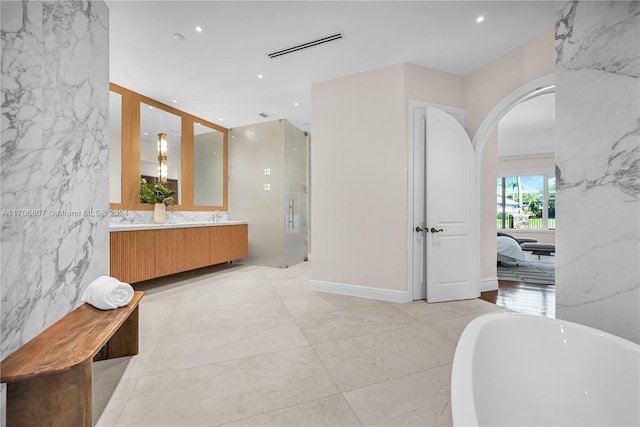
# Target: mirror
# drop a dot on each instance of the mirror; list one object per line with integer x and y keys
{"x": 199, "y": 183}
{"x": 115, "y": 147}
{"x": 208, "y": 166}
{"x": 153, "y": 121}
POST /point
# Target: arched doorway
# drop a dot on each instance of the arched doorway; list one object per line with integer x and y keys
{"x": 540, "y": 86}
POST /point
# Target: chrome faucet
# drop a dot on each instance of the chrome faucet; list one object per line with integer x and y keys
{"x": 216, "y": 216}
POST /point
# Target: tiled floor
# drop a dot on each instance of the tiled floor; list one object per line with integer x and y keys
{"x": 253, "y": 346}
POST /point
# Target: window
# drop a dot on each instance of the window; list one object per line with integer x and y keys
{"x": 526, "y": 201}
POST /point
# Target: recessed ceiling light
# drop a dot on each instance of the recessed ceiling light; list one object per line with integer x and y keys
{"x": 179, "y": 37}
{"x": 146, "y": 133}
{"x": 479, "y": 19}
{"x": 220, "y": 119}
{"x": 175, "y": 101}
{"x": 296, "y": 104}
{"x": 199, "y": 29}
{"x": 150, "y": 107}
{"x": 260, "y": 76}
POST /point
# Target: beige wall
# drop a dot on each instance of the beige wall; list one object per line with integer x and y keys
{"x": 360, "y": 173}
{"x": 484, "y": 89}
{"x": 434, "y": 86}
{"x": 488, "y": 258}
{"x": 359, "y": 160}
{"x": 359, "y": 176}
{"x": 487, "y": 86}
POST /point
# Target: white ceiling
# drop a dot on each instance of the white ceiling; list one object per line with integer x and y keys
{"x": 534, "y": 114}
{"x": 213, "y": 74}
{"x": 528, "y": 129}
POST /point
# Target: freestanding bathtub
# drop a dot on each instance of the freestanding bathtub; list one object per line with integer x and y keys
{"x": 516, "y": 370}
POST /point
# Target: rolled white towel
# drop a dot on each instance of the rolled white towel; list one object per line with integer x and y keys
{"x": 107, "y": 293}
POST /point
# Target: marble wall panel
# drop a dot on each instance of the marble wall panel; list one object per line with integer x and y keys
{"x": 598, "y": 165}
{"x": 54, "y": 161}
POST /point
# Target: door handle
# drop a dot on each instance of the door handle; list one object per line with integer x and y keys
{"x": 436, "y": 230}
{"x": 418, "y": 229}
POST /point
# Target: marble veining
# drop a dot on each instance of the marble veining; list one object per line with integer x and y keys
{"x": 54, "y": 160}
{"x": 598, "y": 165}
{"x": 173, "y": 217}
{"x": 605, "y": 54}
{"x": 588, "y": 45}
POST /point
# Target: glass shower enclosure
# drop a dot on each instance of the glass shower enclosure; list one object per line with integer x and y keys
{"x": 269, "y": 188}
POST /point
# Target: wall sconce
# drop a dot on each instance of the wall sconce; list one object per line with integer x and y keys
{"x": 162, "y": 157}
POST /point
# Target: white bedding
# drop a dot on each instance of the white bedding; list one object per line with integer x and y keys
{"x": 509, "y": 250}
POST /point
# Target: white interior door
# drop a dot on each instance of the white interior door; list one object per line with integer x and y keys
{"x": 444, "y": 208}
{"x": 418, "y": 260}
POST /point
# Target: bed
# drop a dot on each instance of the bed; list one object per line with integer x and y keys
{"x": 509, "y": 250}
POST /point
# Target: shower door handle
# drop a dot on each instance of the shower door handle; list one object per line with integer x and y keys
{"x": 292, "y": 215}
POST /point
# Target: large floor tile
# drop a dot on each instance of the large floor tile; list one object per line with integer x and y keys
{"x": 189, "y": 347}
{"x": 351, "y": 323}
{"x": 420, "y": 399}
{"x": 188, "y": 317}
{"x": 328, "y": 411}
{"x": 113, "y": 370}
{"x": 453, "y": 328}
{"x": 220, "y": 393}
{"x": 474, "y": 306}
{"x": 299, "y": 271}
{"x": 369, "y": 359}
{"x": 306, "y": 303}
{"x": 344, "y": 302}
{"x": 205, "y": 298}
{"x": 429, "y": 312}
{"x": 290, "y": 288}
{"x": 155, "y": 316}
{"x": 178, "y": 283}
{"x": 254, "y": 346}
{"x": 109, "y": 399}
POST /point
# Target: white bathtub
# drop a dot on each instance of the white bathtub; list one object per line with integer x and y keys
{"x": 516, "y": 370}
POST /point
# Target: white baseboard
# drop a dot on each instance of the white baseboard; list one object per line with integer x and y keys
{"x": 489, "y": 284}
{"x": 361, "y": 291}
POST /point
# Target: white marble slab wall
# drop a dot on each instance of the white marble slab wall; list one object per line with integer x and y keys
{"x": 598, "y": 165}
{"x": 54, "y": 161}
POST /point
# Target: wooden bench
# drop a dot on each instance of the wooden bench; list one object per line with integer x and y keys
{"x": 49, "y": 379}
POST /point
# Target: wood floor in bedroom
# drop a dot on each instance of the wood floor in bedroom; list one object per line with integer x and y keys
{"x": 528, "y": 298}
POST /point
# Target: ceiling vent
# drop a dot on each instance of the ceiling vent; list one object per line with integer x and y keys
{"x": 263, "y": 115}
{"x": 326, "y": 39}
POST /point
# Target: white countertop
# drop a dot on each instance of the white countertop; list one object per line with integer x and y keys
{"x": 132, "y": 227}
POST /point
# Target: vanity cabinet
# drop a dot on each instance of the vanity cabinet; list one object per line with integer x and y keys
{"x": 169, "y": 252}
{"x": 132, "y": 255}
{"x": 139, "y": 255}
{"x": 238, "y": 240}
{"x": 219, "y": 239}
